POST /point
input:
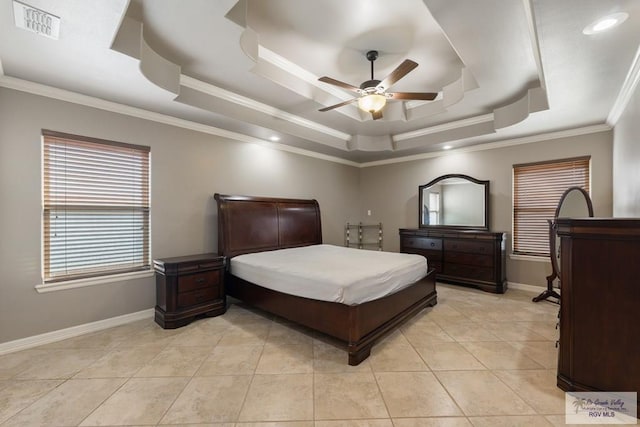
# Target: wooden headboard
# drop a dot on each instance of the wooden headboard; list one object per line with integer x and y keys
{"x": 249, "y": 224}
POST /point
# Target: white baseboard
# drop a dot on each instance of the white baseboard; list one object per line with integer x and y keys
{"x": 74, "y": 331}
{"x": 525, "y": 287}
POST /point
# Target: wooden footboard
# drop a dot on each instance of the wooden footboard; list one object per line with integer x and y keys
{"x": 357, "y": 326}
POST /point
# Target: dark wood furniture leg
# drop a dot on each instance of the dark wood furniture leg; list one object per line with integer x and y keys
{"x": 549, "y": 292}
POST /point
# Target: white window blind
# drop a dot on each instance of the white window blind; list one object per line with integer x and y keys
{"x": 96, "y": 207}
{"x": 537, "y": 188}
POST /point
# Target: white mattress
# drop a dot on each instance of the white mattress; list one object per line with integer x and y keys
{"x": 331, "y": 273}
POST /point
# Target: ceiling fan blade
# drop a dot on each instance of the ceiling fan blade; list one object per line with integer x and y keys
{"x": 402, "y": 70}
{"x": 340, "y": 84}
{"x": 338, "y": 105}
{"x": 422, "y": 96}
{"x": 376, "y": 115}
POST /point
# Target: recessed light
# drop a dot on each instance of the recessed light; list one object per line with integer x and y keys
{"x": 447, "y": 147}
{"x": 274, "y": 138}
{"x": 605, "y": 23}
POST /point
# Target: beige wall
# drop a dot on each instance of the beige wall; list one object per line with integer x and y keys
{"x": 391, "y": 191}
{"x": 187, "y": 169}
{"x": 626, "y": 160}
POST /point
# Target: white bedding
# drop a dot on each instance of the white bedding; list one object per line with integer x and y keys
{"x": 331, "y": 273}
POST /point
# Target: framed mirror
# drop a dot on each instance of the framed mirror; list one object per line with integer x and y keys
{"x": 454, "y": 201}
{"x": 574, "y": 203}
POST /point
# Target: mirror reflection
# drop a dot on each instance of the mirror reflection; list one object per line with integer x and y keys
{"x": 455, "y": 201}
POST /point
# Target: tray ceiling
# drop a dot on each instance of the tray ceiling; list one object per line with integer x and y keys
{"x": 249, "y": 69}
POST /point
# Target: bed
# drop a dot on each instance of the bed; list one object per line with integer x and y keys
{"x": 249, "y": 225}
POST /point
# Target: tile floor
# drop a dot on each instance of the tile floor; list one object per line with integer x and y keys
{"x": 476, "y": 359}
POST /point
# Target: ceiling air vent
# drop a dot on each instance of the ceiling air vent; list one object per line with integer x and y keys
{"x": 36, "y": 20}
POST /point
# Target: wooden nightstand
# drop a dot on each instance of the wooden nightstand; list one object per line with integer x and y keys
{"x": 187, "y": 287}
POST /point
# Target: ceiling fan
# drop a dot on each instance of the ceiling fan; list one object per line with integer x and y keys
{"x": 373, "y": 93}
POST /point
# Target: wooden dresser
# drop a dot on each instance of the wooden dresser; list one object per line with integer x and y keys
{"x": 599, "y": 348}
{"x": 475, "y": 258}
{"x": 187, "y": 287}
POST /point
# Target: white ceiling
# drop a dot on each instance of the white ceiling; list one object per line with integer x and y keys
{"x": 249, "y": 69}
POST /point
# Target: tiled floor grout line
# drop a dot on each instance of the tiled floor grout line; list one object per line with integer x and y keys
{"x": 185, "y": 385}
{"x": 104, "y": 400}
{"x": 253, "y": 375}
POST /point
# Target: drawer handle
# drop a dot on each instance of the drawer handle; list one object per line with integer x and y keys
{"x": 433, "y": 244}
{"x": 200, "y": 280}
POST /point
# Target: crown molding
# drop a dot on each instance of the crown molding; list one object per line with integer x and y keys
{"x": 496, "y": 144}
{"x": 114, "y": 107}
{"x": 243, "y": 101}
{"x": 626, "y": 91}
{"x": 443, "y": 127}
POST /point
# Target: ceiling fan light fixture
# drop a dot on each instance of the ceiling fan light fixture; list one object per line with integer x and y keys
{"x": 372, "y": 103}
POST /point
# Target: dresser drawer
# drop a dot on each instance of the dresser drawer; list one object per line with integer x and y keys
{"x": 436, "y": 265}
{"x": 187, "y": 299}
{"x": 468, "y": 272}
{"x": 434, "y": 258}
{"x": 428, "y": 254}
{"x": 422, "y": 243}
{"x": 468, "y": 258}
{"x": 205, "y": 279}
{"x": 472, "y": 246}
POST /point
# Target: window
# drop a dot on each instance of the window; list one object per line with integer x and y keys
{"x": 95, "y": 207}
{"x": 434, "y": 210}
{"x": 537, "y": 188}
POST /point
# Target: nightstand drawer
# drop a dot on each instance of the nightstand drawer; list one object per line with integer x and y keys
{"x": 203, "y": 265}
{"x": 187, "y": 299}
{"x": 192, "y": 282}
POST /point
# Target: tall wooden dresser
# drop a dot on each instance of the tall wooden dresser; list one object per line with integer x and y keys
{"x": 600, "y": 304}
{"x": 475, "y": 258}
